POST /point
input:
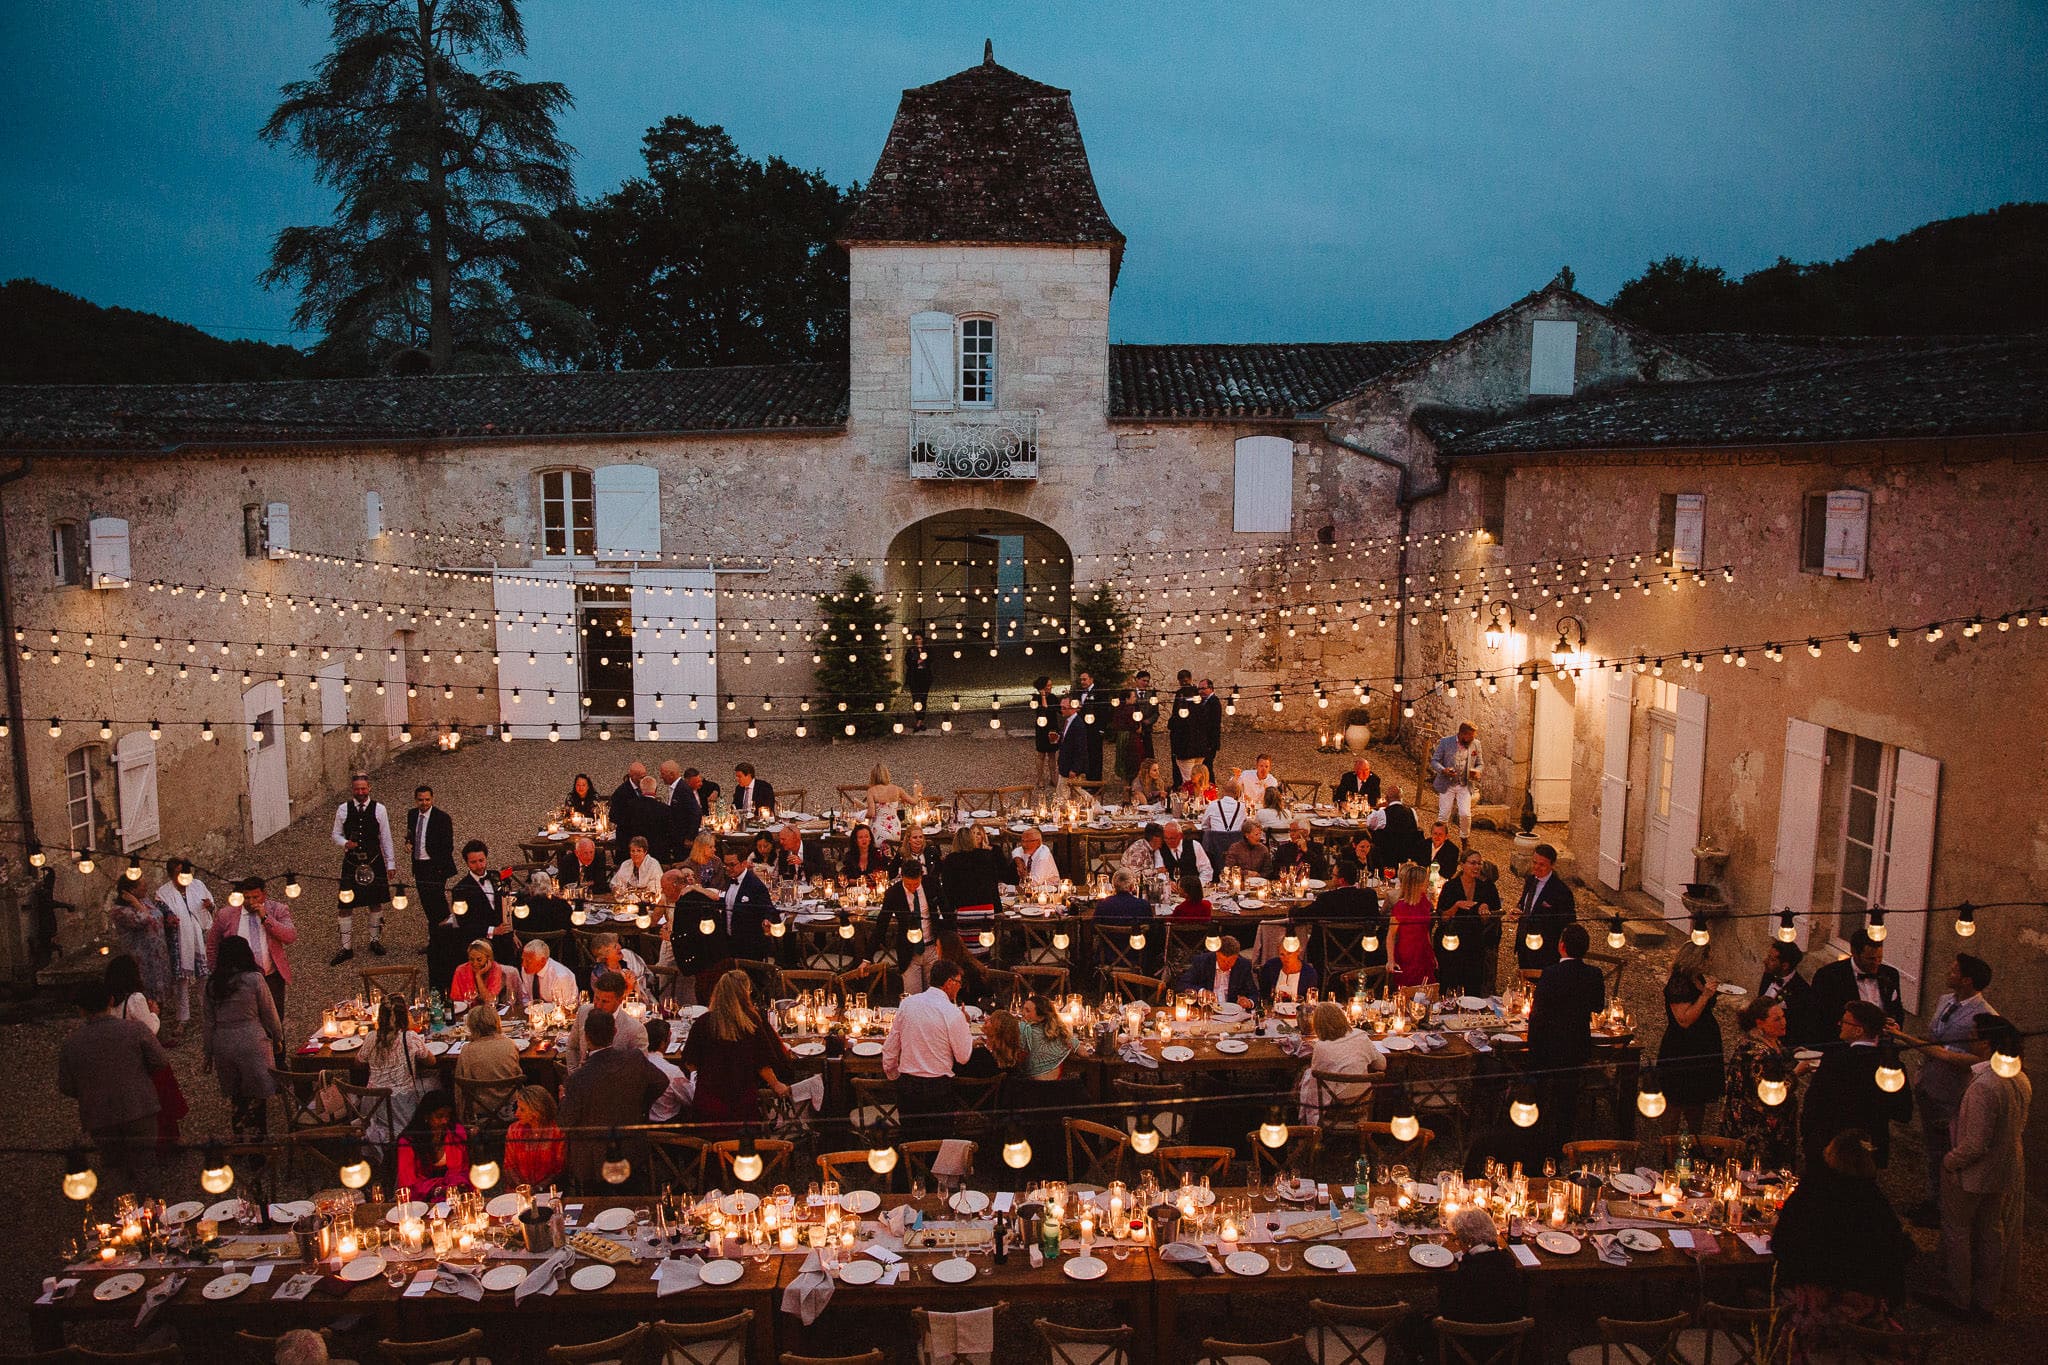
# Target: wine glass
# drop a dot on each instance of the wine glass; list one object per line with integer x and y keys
{"x": 917, "y": 1190}
{"x": 1283, "y": 1259}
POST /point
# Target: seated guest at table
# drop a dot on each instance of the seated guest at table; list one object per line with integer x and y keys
{"x": 703, "y": 860}
{"x": 640, "y": 874}
{"x": 607, "y": 994}
{"x": 1345, "y": 898}
{"x": 1468, "y": 907}
{"x": 1222, "y": 824}
{"x": 1862, "y": 975}
{"x": 926, "y": 1041}
{"x": 761, "y": 853}
{"x": 1840, "y": 1249}
{"x": 913, "y": 847}
{"x": 534, "y": 1146}
{"x": 1047, "y": 1040}
{"x": 583, "y": 864}
{"x": 546, "y": 911}
{"x": 1226, "y": 973}
{"x": 907, "y": 907}
{"x": 1340, "y": 1050}
{"x": 1488, "y": 1285}
{"x": 490, "y": 1062}
{"x": 1396, "y": 836}
{"x": 582, "y": 798}
{"x": 1141, "y": 855}
{"x": 1360, "y": 781}
{"x": 483, "y": 978}
{"x": 1123, "y": 905}
{"x": 1442, "y": 854}
{"x": 1782, "y": 981}
{"x": 795, "y": 859}
{"x": 1567, "y": 996}
{"x": 241, "y": 1040}
{"x": 1149, "y": 787}
{"x": 608, "y": 954}
{"x": 1256, "y": 781}
{"x": 973, "y": 873}
{"x": 1001, "y": 1050}
{"x": 544, "y": 981}
{"x": 1545, "y": 908}
{"x": 1302, "y": 852}
{"x": 1843, "y": 1093}
{"x": 750, "y": 793}
{"x": 733, "y": 1055}
{"x": 1181, "y": 855}
{"x": 1200, "y": 784}
{"x": 1035, "y": 865}
{"x": 1193, "y": 904}
{"x": 682, "y": 1087}
{"x": 433, "y": 1149}
{"x": 1771, "y": 1131}
{"x": 1411, "y": 938}
{"x": 1251, "y": 855}
{"x": 609, "y": 1092}
{"x": 1286, "y": 978}
{"x": 1689, "y": 1055}
{"x": 863, "y": 857}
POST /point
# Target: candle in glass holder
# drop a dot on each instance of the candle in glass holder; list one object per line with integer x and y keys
{"x": 109, "y": 1252}
{"x": 846, "y": 1240}
{"x": 1228, "y": 1233}
{"x": 786, "y": 1238}
{"x": 346, "y": 1248}
{"x": 769, "y": 1216}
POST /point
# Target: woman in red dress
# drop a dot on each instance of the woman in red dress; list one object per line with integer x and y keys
{"x": 1411, "y": 944}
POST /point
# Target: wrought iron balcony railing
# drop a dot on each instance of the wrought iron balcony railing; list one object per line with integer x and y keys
{"x": 974, "y": 443}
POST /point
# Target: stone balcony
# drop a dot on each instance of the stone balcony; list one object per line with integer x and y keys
{"x": 974, "y": 443}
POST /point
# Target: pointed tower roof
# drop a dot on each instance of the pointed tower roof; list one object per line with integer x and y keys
{"x": 984, "y": 156}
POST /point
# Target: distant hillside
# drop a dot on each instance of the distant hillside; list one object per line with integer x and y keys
{"x": 50, "y": 337}
{"x": 1986, "y": 272}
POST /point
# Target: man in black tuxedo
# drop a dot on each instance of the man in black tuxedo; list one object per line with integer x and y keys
{"x": 748, "y": 908}
{"x": 1804, "y": 1026}
{"x": 1568, "y": 994}
{"x": 1546, "y": 907}
{"x": 476, "y": 910}
{"x": 1095, "y": 708}
{"x": 1396, "y": 837}
{"x": 1180, "y": 725}
{"x": 1860, "y": 976}
{"x": 696, "y": 933}
{"x": 1844, "y": 1093}
{"x": 750, "y": 793}
{"x": 685, "y": 813}
{"x": 1360, "y": 781}
{"x": 1358, "y": 905}
{"x": 432, "y": 836}
{"x": 909, "y": 904}
{"x": 1208, "y": 733}
{"x": 624, "y": 798}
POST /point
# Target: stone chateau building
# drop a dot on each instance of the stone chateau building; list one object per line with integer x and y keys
{"x": 586, "y": 553}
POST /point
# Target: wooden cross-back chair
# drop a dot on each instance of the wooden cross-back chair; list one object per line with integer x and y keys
{"x": 1096, "y": 1152}
{"x": 678, "y": 1159}
{"x": 464, "y": 1348}
{"x": 1286, "y": 1351}
{"x": 1047, "y": 981}
{"x": 967, "y": 800}
{"x": 1304, "y": 1141}
{"x": 1213, "y": 1162}
{"x": 1301, "y": 791}
{"x": 1482, "y": 1343}
{"x": 1377, "y": 1140}
{"x": 1086, "y": 1345}
{"x": 1352, "y": 1333}
{"x": 1162, "y": 1098}
{"x": 921, "y": 1320}
{"x": 1034, "y": 942}
{"x": 720, "y": 1341}
{"x": 1013, "y": 798}
{"x": 1732, "y": 1335}
{"x": 919, "y": 1155}
{"x": 876, "y": 1116}
{"x": 1634, "y": 1341}
{"x": 851, "y": 1170}
{"x": 401, "y": 980}
{"x": 1130, "y": 986}
{"x": 1115, "y": 953}
{"x": 626, "y": 1348}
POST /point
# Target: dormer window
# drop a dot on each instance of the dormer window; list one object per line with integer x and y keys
{"x": 952, "y": 362}
{"x": 977, "y": 362}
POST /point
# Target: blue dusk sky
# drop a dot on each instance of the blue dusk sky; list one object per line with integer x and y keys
{"x": 1312, "y": 172}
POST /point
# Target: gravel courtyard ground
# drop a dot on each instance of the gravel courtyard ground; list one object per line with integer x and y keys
{"x": 496, "y": 792}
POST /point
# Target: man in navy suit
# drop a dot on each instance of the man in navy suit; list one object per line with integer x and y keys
{"x": 1860, "y": 976}
{"x": 1546, "y": 907}
{"x": 432, "y": 836}
{"x": 1227, "y": 968}
{"x": 1568, "y": 994}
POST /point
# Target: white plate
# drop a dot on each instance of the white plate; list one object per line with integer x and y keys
{"x": 860, "y": 1271}
{"x": 400, "y": 1212}
{"x": 290, "y": 1210}
{"x": 860, "y": 1201}
{"x": 1806, "y": 1054}
{"x": 953, "y": 1270}
{"x": 1325, "y": 1257}
{"x": 1085, "y": 1268}
{"x": 1246, "y": 1263}
{"x": 1557, "y": 1243}
{"x": 504, "y": 1206}
{"x": 437, "y": 1047}
{"x": 866, "y": 1049}
{"x": 693, "y": 1011}
{"x": 1630, "y": 1183}
{"x": 1232, "y": 1045}
{"x": 981, "y": 815}
{"x": 1508, "y": 1038}
{"x": 1229, "y": 1010}
{"x": 1177, "y": 1053}
{"x": 593, "y": 1277}
{"x": 973, "y": 1012}
{"x": 500, "y": 1278}
{"x": 185, "y": 1212}
{"x": 348, "y": 1044}
{"x": 808, "y": 1049}
{"x": 225, "y": 1286}
{"x": 1730, "y": 988}
{"x": 117, "y": 1287}
{"x": 1431, "y": 1255}
{"x": 367, "y": 1266}
{"x": 1302, "y": 1191}
{"x": 1311, "y": 884}
{"x": 613, "y": 1220}
{"x": 226, "y": 1211}
{"x": 1640, "y": 1239}
{"x": 740, "y": 1205}
{"x": 1397, "y": 1042}
{"x": 968, "y": 1201}
{"x": 1472, "y": 1002}
{"x": 721, "y": 1272}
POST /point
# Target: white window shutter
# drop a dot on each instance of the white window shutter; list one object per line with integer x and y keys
{"x": 1806, "y": 758}
{"x": 373, "y": 515}
{"x": 1614, "y": 777}
{"x": 333, "y": 701}
{"x": 109, "y": 552}
{"x": 675, "y": 639}
{"x": 537, "y": 616}
{"x": 135, "y": 781}
{"x": 1553, "y": 357}
{"x": 1688, "y": 785}
{"x": 277, "y": 529}
{"x": 1689, "y": 532}
{"x": 1909, "y": 869}
{"x": 931, "y": 360}
{"x": 1264, "y": 484}
{"x": 1848, "y": 544}
{"x": 628, "y": 498}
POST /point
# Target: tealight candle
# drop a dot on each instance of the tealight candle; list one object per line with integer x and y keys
{"x": 348, "y": 1247}
{"x": 1228, "y": 1234}
{"x": 109, "y": 1252}
{"x": 786, "y": 1238}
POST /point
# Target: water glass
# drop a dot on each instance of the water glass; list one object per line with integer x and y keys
{"x": 1283, "y": 1259}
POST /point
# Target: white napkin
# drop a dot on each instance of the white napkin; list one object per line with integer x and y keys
{"x": 970, "y": 1336}
{"x": 462, "y": 1283}
{"x": 810, "y": 1088}
{"x": 1137, "y": 1056}
{"x": 809, "y": 1292}
{"x": 952, "y": 1159}
{"x": 160, "y": 1293}
{"x": 1756, "y": 1242}
{"x": 1346, "y": 1267}
{"x": 1523, "y": 1254}
{"x": 52, "y": 1286}
{"x": 674, "y": 1276}
{"x": 1610, "y": 1248}
{"x": 541, "y": 1279}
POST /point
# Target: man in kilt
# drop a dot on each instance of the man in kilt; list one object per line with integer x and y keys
{"x": 363, "y": 833}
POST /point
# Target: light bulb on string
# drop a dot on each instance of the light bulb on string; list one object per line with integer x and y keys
{"x": 1875, "y": 927}
{"x": 1966, "y": 920}
{"x": 1617, "y": 935}
{"x": 1787, "y": 931}
{"x": 1522, "y": 1108}
{"x": 1650, "y": 1102}
{"x": 80, "y": 1179}
{"x": 215, "y": 1174}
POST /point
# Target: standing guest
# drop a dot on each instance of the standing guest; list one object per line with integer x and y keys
{"x": 479, "y": 907}
{"x": 612, "y": 1090}
{"x": 1840, "y": 1249}
{"x": 1782, "y": 982}
{"x": 1454, "y": 767}
{"x": 431, "y": 835}
{"x": 1689, "y": 1056}
{"x": 1770, "y": 1131}
{"x": 400, "y": 1061}
{"x": 243, "y": 1035}
{"x": 1035, "y": 865}
{"x": 582, "y": 798}
{"x": 1285, "y": 978}
{"x": 1546, "y": 907}
{"x": 694, "y": 917}
{"x": 748, "y": 908}
{"x": 1844, "y": 1095}
{"x": 1072, "y": 754}
{"x": 1340, "y": 1050}
{"x": 139, "y": 933}
{"x": 1136, "y": 713}
{"x": 682, "y": 1089}
{"x": 544, "y": 981}
{"x": 1250, "y": 854}
{"x": 1223, "y": 822}
{"x": 1180, "y": 725}
{"x": 1567, "y": 996}
{"x": 750, "y": 793}
{"x": 917, "y": 679}
{"x": 1046, "y": 727}
{"x": 685, "y": 811}
{"x": 974, "y": 874}
{"x": 1442, "y": 854}
{"x": 1199, "y": 786}
{"x": 188, "y": 913}
{"x": 129, "y": 1000}
{"x": 863, "y": 857}
{"x": 1302, "y": 852}
{"x": 1396, "y": 835}
{"x": 107, "y": 1064}
{"x": 907, "y": 908}
{"x": 1947, "y": 1061}
{"x": 1225, "y": 974}
{"x": 1469, "y": 907}
{"x": 535, "y": 1149}
{"x": 608, "y": 992}
{"x": 583, "y": 865}
{"x": 640, "y": 874}
{"x": 1095, "y": 708}
{"x": 1862, "y": 975}
{"x": 1489, "y": 1285}
{"x": 489, "y": 1062}
{"x": 1254, "y": 782}
{"x": 624, "y": 809}
{"x": 1411, "y": 945}
{"x": 927, "y": 1039}
{"x": 1984, "y": 1175}
{"x": 433, "y": 1151}
{"x": 265, "y": 926}
{"x": 885, "y": 805}
{"x": 1149, "y": 787}
{"x": 1208, "y": 718}
{"x": 362, "y": 832}
{"x": 1361, "y": 781}
{"x": 483, "y": 979}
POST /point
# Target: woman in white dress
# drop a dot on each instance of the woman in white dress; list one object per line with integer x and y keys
{"x": 885, "y": 806}
{"x": 400, "y": 1061}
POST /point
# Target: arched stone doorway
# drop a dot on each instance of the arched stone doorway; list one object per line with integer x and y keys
{"x": 992, "y": 591}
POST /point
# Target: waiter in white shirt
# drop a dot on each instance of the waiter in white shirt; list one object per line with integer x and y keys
{"x": 927, "y": 1039}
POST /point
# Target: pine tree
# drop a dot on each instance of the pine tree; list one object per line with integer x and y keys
{"x": 1102, "y": 629}
{"x": 854, "y": 659}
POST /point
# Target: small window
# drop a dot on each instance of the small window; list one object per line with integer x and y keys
{"x": 977, "y": 362}
{"x": 568, "y": 513}
{"x": 373, "y": 515}
{"x": 1681, "y": 529}
{"x": 67, "y": 549}
{"x": 81, "y": 797}
{"x": 1493, "y": 506}
{"x": 1835, "y": 534}
{"x": 252, "y": 530}
{"x": 1553, "y": 357}
{"x": 1264, "y": 484}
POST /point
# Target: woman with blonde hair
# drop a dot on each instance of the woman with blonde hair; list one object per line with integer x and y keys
{"x": 704, "y": 861}
{"x": 1047, "y": 1040}
{"x": 535, "y": 1149}
{"x": 1411, "y": 946}
{"x": 734, "y": 1054}
{"x": 1148, "y": 788}
{"x": 1200, "y": 786}
{"x": 1340, "y": 1050}
{"x": 885, "y": 805}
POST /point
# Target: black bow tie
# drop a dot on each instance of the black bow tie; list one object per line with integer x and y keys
{"x": 1865, "y": 976}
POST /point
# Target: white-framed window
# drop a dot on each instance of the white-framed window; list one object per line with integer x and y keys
{"x": 977, "y": 362}
{"x": 67, "y": 552}
{"x": 333, "y": 700}
{"x": 277, "y": 529}
{"x": 1553, "y": 357}
{"x": 568, "y": 513}
{"x": 82, "y": 798}
{"x": 1835, "y": 534}
{"x": 1865, "y": 830}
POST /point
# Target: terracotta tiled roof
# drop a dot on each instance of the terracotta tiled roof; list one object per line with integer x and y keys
{"x": 1989, "y": 389}
{"x": 1753, "y": 352}
{"x": 1266, "y": 380}
{"x": 484, "y": 406}
{"x": 983, "y": 156}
